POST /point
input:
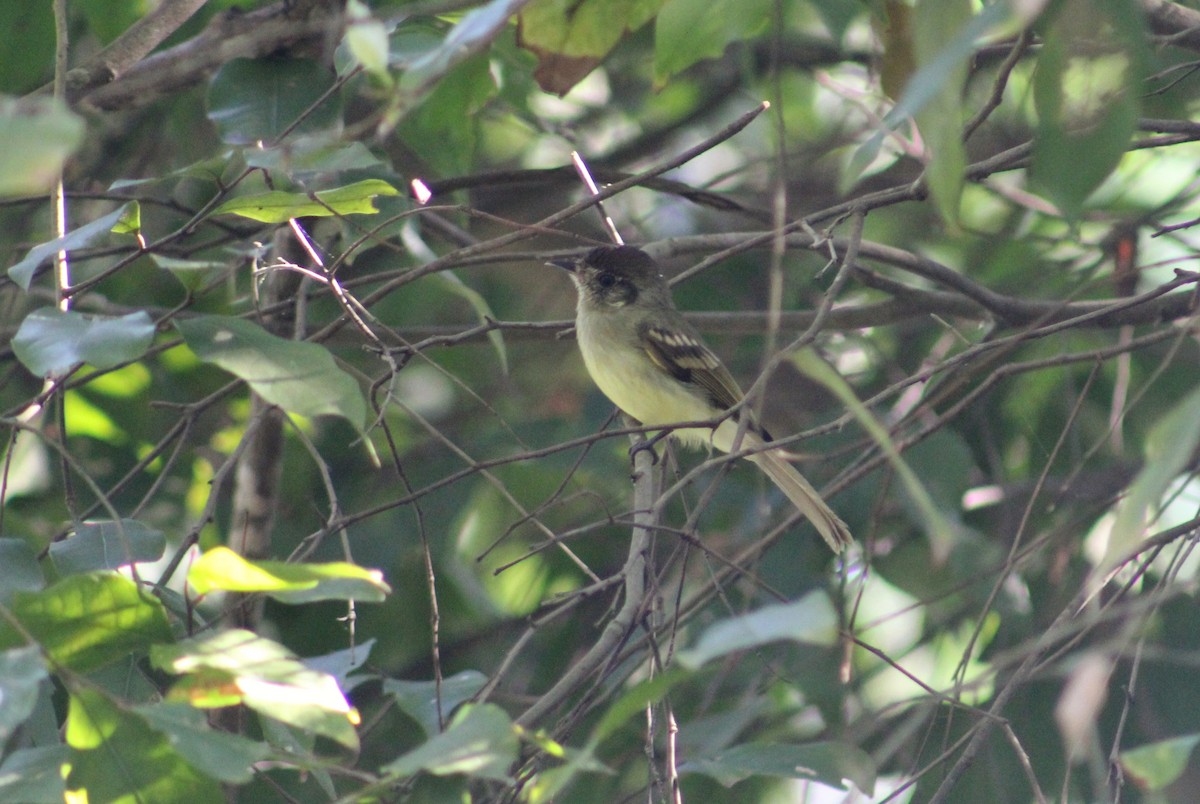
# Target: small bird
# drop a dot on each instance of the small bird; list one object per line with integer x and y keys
{"x": 650, "y": 362}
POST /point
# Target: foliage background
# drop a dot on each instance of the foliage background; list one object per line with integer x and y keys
{"x": 1006, "y": 286}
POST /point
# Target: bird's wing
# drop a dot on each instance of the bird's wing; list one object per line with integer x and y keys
{"x": 682, "y": 355}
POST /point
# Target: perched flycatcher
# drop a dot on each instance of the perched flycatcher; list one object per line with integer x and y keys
{"x": 651, "y": 363}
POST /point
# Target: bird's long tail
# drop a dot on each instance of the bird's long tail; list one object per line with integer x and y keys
{"x": 832, "y": 529}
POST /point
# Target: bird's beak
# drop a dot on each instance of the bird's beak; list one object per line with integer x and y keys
{"x": 568, "y": 264}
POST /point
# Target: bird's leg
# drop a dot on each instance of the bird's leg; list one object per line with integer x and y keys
{"x": 648, "y": 443}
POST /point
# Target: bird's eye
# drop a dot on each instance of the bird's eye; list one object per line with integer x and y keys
{"x": 606, "y": 280}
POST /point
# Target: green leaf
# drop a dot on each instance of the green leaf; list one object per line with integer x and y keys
{"x": 192, "y": 274}
{"x": 253, "y": 100}
{"x": 810, "y": 620}
{"x": 87, "y": 621}
{"x": 1086, "y": 91}
{"x": 473, "y": 33}
{"x": 309, "y": 155}
{"x": 941, "y": 531}
{"x": 635, "y": 700}
{"x": 418, "y": 699}
{"x": 366, "y": 38}
{"x": 221, "y": 755}
{"x": 442, "y": 129}
{"x": 22, "y": 573}
{"x": 940, "y": 121}
{"x": 828, "y": 763}
{"x": 688, "y": 31}
{"x": 1154, "y": 766}
{"x": 1169, "y": 447}
{"x": 22, "y": 670}
{"x": 481, "y": 742}
{"x": 280, "y": 207}
{"x": 50, "y": 341}
{"x": 221, "y": 569}
{"x": 38, "y": 133}
{"x": 22, "y": 272}
{"x": 299, "y": 377}
{"x": 34, "y": 775}
{"x": 115, "y": 756}
{"x": 105, "y": 545}
{"x": 240, "y": 667}
{"x": 571, "y": 37}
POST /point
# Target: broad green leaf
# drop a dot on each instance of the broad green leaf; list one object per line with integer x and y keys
{"x": 480, "y": 742}
{"x": 237, "y": 666}
{"x": 299, "y": 377}
{"x": 1169, "y": 448}
{"x": 22, "y": 670}
{"x": 105, "y": 545}
{"x": 688, "y": 31}
{"x": 418, "y": 699}
{"x": 253, "y": 100}
{"x": 473, "y": 33}
{"x": 22, "y": 573}
{"x": 280, "y": 207}
{"x": 22, "y": 272}
{"x": 219, "y": 754}
{"x": 116, "y": 756}
{"x": 928, "y": 81}
{"x": 341, "y": 663}
{"x": 38, "y": 133}
{"x": 305, "y": 156}
{"x": 810, "y": 620}
{"x": 221, "y": 569}
{"x": 940, "y": 121}
{"x": 366, "y": 38}
{"x": 192, "y": 274}
{"x": 50, "y": 341}
{"x": 571, "y": 38}
{"x": 941, "y": 531}
{"x": 828, "y": 763}
{"x": 34, "y": 775}
{"x": 442, "y": 129}
{"x": 1156, "y": 765}
{"x": 635, "y": 700}
{"x": 87, "y": 621}
{"x": 1086, "y": 91}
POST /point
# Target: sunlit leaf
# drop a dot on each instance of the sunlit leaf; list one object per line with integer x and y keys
{"x": 115, "y": 756}
{"x": 221, "y": 569}
{"x": 366, "y": 38}
{"x": 299, "y": 377}
{"x": 237, "y": 666}
{"x": 279, "y": 207}
{"x": 480, "y": 742}
{"x": 87, "y": 621}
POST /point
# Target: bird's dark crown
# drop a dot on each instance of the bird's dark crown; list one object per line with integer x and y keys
{"x": 627, "y": 261}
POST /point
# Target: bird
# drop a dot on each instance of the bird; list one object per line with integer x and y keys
{"x": 652, "y": 364}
